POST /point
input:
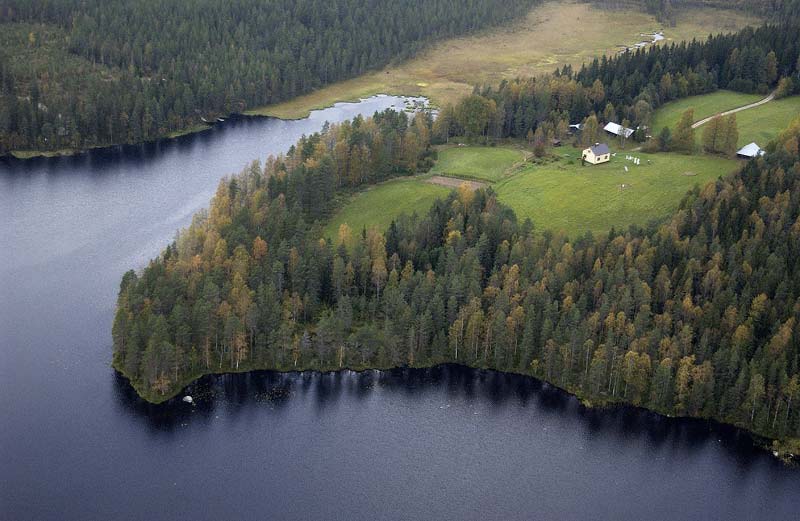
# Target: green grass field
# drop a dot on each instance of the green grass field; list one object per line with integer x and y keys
{"x": 704, "y": 106}
{"x": 760, "y": 124}
{"x": 380, "y": 204}
{"x": 562, "y": 195}
{"x": 480, "y": 163}
{"x": 572, "y": 198}
{"x": 763, "y": 124}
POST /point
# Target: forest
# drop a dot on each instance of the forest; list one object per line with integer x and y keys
{"x": 694, "y": 316}
{"x": 82, "y": 73}
{"x": 627, "y": 88}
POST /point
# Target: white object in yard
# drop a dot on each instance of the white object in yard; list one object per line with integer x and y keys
{"x": 188, "y": 399}
{"x": 626, "y": 168}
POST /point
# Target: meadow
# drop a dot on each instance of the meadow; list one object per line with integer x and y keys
{"x": 566, "y": 196}
{"x": 378, "y": 205}
{"x": 558, "y": 194}
{"x": 763, "y": 124}
{"x": 488, "y": 164}
{"x": 552, "y": 35}
{"x": 760, "y": 124}
{"x": 704, "y": 106}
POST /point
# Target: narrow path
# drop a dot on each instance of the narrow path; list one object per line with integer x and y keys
{"x": 732, "y": 111}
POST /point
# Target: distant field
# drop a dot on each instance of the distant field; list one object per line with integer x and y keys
{"x": 760, "y": 124}
{"x": 380, "y": 204}
{"x": 552, "y": 35}
{"x": 561, "y": 195}
{"x": 704, "y": 106}
{"x": 482, "y": 163}
{"x": 572, "y": 198}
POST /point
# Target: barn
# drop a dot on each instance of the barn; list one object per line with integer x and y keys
{"x": 599, "y": 153}
{"x": 618, "y": 130}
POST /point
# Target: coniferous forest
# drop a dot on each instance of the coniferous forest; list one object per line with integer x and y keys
{"x": 80, "y": 73}
{"x": 695, "y": 316}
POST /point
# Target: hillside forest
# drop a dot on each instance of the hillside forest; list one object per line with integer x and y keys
{"x": 81, "y": 73}
{"x": 694, "y": 316}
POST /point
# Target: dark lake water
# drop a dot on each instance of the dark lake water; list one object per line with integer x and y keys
{"x": 449, "y": 443}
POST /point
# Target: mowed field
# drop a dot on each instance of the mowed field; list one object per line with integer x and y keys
{"x": 559, "y": 195}
{"x": 704, "y": 106}
{"x": 763, "y": 124}
{"x": 378, "y": 205}
{"x": 488, "y": 164}
{"x": 760, "y": 124}
{"x": 552, "y": 35}
{"x": 572, "y": 198}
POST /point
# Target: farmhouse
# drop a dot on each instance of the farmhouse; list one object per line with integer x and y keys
{"x": 618, "y": 130}
{"x": 599, "y": 153}
{"x": 750, "y": 151}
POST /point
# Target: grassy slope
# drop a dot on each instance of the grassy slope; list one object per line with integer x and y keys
{"x": 566, "y": 196}
{"x": 552, "y": 35}
{"x": 481, "y": 163}
{"x": 760, "y": 124}
{"x": 763, "y": 124}
{"x": 379, "y": 205}
{"x": 704, "y": 106}
{"x": 561, "y": 195}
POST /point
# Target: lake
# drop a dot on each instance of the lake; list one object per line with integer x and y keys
{"x": 450, "y": 442}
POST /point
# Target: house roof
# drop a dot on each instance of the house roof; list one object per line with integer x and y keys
{"x": 618, "y": 130}
{"x": 751, "y": 150}
{"x": 600, "y": 149}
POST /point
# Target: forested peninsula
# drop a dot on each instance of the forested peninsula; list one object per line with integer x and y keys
{"x": 696, "y": 316}
{"x": 81, "y": 73}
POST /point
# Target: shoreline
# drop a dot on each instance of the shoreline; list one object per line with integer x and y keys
{"x": 25, "y": 155}
{"x": 782, "y": 449}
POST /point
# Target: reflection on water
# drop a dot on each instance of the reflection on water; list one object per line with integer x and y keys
{"x": 250, "y": 393}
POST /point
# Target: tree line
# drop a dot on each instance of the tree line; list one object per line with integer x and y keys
{"x": 79, "y": 73}
{"x": 627, "y": 88}
{"x": 667, "y": 11}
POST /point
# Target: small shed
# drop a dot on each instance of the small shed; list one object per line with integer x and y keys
{"x": 750, "y": 151}
{"x": 599, "y": 153}
{"x": 618, "y": 130}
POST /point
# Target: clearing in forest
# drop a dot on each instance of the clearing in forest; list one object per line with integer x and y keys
{"x": 379, "y": 205}
{"x": 559, "y": 194}
{"x": 478, "y": 162}
{"x": 552, "y": 35}
{"x": 565, "y": 196}
{"x": 759, "y": 124}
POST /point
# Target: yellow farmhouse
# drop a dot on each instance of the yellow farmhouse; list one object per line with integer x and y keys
{"x": 597, "y": 154}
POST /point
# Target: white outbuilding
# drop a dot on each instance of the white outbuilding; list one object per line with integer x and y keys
{"x": 618, "y": 130}
{"x": 750, "y": 151}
